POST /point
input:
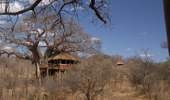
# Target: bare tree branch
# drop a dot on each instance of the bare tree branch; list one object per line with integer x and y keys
{"x": 18, "y": 55}
{"x": 32, "y": 7}
{"x": 98, "y": 14}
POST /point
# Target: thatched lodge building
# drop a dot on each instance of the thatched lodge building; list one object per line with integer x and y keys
{"x": 59, "y": 63}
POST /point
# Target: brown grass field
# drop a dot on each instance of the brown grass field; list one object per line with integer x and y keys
{"x": 18, "y": 82}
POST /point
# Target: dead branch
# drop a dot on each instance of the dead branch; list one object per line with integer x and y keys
{"x": 94, "y": 8}
{"x": 18, "y": 55}
{"x": 32, "y": 7}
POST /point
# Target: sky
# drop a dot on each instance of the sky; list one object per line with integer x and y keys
{"x": 136, "y": 26}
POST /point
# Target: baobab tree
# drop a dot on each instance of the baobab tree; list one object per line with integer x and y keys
{"x": 32, "y": 35}
{"x": 47, "y": 19}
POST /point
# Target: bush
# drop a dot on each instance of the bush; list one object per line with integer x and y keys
{"x": 91, "y": 76}
{"x": 150, "y": 78}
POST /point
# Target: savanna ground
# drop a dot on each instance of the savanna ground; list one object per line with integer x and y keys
{"x": 95, "y": 78}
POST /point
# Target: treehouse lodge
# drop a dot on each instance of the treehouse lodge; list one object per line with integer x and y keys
{"x": 59, "y": 63}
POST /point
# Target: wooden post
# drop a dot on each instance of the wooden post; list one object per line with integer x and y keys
{"x": 167, "y": 21}
{"x": 47, "y": 72}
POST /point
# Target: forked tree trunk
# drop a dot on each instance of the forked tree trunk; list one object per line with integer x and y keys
{"x": 36, "y": 59}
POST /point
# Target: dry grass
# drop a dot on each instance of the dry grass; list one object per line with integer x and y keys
{"x": 17, "y": 82}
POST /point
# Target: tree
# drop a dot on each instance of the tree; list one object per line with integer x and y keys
{"x": 33, "y": 35}
{"x": 90, "y": 76}
{"x": 73, "y": 40}
{"x": 61, "y": 9}
{"x": 48, "y": 23}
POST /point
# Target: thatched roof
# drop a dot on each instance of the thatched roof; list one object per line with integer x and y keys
{"x": 120, "y": 62}
{"x": 64, "y": 56}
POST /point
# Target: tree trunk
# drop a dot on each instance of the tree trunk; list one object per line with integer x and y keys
{"x": 36, "y": 59}
{"x": 88, "y": 96}
{"x": 38, "y": 74}
{"x": 87, "y": 93}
